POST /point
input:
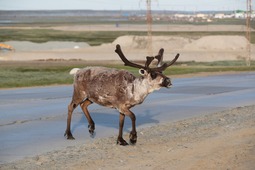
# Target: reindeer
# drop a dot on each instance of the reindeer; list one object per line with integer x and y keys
{"x": 117, "y": 89}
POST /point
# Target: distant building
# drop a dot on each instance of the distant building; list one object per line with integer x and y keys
{"x": 240, "y": 15}
{"x": 219, "y": 16}
{"x": 181, "y": 15}
{"x": 203, "y": 16}
{"x": 229, "y": 16}
{"x": 243, "y": 15}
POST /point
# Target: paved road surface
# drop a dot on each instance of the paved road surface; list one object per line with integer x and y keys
{"x": 33, "y": 120}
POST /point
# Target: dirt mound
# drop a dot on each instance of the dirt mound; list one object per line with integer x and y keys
{"x": 218, "y": 43}
{"x": 204, "y": 49}
{"x": 140, "y": 42}
{"x": 174, "y": 42}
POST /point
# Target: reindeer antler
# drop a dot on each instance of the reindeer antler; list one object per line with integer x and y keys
{"x": 128, "y": 63}
{"x": 159, "y": 57}
{"x": 161, "y": 67}
{"x": 148, "y": 62}
{"x": 165, "y": 65}
{"x": 125, "y": 60}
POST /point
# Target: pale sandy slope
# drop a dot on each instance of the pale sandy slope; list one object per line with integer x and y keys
{"x": 207, "y": 48}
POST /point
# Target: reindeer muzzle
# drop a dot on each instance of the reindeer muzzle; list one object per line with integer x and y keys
{"x": 166, "y": 82}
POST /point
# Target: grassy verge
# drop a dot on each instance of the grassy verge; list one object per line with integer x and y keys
{"x": 40, "y": 73}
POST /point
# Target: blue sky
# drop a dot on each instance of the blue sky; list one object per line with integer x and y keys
{"x": 187, "y": 5}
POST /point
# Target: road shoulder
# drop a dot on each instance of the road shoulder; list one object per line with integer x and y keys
{"x": 223, "y": 140}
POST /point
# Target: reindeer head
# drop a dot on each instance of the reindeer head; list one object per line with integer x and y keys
{"x": 154, "y": 75}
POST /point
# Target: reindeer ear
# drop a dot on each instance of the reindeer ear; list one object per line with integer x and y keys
{"x": 142, "y": 72}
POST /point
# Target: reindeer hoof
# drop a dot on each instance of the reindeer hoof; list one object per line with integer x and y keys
{"x": 133, "y": 137}
{"x": 132, "y": 141}
{"x": 69, "y": 136}
{"x": 121, "y": 142}
{"x": 91, "y": 132}
{"x": 91, "y": 129}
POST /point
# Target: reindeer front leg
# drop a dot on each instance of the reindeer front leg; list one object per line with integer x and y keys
{"x": 133, "y": 133}
{"x": 120, "y": 139}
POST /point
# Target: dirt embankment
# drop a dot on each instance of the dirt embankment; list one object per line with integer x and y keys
{"x": 224, "y": 140}
{"x": 206, "y": 48}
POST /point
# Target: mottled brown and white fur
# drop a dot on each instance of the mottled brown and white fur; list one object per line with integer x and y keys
{"x": 113, "y": 88}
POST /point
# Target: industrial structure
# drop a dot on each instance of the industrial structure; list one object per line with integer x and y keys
{"x": 149, "y": 25}
{"x": 248, "y": 31}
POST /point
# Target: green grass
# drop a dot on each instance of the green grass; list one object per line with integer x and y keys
{"x": 44, "y": 35}
{"x": 25, "y": 77}
{"x": 92, "y": 37}
{"x": 41, "y": 73}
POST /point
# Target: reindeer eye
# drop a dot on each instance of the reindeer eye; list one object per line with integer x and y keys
{"x": 153, "y": 75}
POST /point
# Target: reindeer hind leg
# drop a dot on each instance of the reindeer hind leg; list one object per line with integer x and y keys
{"x": 84, "y": 107}
{"x": 68, "y": 133}
{"x": 77, "y": 98}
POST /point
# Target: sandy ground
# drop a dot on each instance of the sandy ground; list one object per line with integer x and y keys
{"x": 206, "y": 49}
{"x": 191, "y": 48}
{"x": 223, "y": 140}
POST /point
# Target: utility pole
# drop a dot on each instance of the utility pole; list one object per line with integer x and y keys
{"x": 248, "y": 31}
{"x": 149, "y": 28}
